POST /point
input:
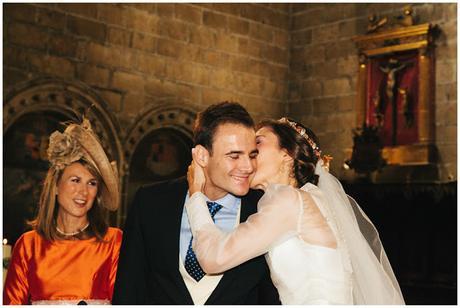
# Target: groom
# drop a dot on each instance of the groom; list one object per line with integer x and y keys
{"x": 157, "y": 264}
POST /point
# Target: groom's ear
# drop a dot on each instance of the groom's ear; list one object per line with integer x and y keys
{"x": 201, "y": 156}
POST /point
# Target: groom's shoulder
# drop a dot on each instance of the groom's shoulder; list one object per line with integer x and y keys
{"x": 253, "y": 196}
{"x": 164, "y": 187}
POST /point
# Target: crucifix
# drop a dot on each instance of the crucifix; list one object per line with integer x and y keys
{"x": 386, "y": 94}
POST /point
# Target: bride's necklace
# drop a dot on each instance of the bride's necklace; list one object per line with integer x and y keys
{"x": 72, "y": 233}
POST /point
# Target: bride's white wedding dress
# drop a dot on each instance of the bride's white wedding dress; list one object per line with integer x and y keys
{"x": 305, "y": 273}
{"x": 293, "y": 227}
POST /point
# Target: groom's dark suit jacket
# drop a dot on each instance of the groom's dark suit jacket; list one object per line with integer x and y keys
{"x": 148, "y": 269}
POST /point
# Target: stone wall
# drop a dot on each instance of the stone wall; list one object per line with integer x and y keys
{"x": 273, "y": 58}
{"x": 324, "y": 69}
{"x": 137, "y": 55}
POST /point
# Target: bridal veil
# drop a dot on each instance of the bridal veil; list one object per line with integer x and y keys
{"x": 372, "y": 276}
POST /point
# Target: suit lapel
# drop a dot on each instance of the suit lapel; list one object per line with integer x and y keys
{"x": 169, "y": 223}
{"x": 174, "y": 206}
{"x": 248, "y": 207}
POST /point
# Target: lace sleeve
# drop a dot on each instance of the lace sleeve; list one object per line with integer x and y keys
{"x": 276, "y": 219}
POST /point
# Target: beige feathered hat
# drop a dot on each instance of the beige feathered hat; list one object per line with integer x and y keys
{"x": 79, "y": 141}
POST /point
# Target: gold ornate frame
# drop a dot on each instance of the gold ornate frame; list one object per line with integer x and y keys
{"x": 393, "y": 41}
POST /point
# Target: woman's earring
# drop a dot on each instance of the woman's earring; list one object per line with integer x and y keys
{"x": 99, "y": 200}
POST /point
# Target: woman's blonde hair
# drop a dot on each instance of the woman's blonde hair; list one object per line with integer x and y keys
{"x": 45, "y": 222}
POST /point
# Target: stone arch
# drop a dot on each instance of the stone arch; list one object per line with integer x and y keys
{"x": 177, "y": 119}
{"x": 64, "y": 100}
{"x": 72, "y": 99}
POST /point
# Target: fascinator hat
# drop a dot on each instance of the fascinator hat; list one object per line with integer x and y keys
{"x": 78, "y": 141}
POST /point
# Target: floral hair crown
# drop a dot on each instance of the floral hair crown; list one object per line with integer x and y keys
{"x": 302, "y": 132}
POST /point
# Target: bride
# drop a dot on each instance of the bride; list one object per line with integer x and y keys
{"x": 320, "y": 246}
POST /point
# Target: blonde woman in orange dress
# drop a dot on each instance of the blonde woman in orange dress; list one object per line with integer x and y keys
{"x": 71, "y": 255}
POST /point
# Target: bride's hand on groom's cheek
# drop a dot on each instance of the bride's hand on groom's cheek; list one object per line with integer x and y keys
{"x": 195, "y": 175}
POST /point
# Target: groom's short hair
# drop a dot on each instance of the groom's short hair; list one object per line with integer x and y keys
{"x": 209, "y": 120}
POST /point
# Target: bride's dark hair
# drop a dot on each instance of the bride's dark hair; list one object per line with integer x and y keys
{"x": 297, "y": 146}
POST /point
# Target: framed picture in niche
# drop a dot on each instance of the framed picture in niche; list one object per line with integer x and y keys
{"x": 162, "y": 154}
{"x": 396, "y": 91}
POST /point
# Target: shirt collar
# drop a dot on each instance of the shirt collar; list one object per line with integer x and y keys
{"x": 228, "y": 201}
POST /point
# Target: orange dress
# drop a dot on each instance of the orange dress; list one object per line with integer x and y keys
{"x": 62, "y": 272}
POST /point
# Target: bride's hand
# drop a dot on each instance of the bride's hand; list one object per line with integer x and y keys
{"x": 195, "y": 177}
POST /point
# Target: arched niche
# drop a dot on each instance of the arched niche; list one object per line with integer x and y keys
{"x": 157, "y": 148}
{"x": 31, "y": 112}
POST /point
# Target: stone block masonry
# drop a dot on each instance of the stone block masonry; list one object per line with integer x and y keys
{"x": 276, "y": 59}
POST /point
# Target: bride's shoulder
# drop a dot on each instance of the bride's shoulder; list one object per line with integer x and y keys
{"x": 309, "y": 187}
{"x": 313, "y": 191}
{"x": 280, "y": 192}
{"x": 280, "y": 187}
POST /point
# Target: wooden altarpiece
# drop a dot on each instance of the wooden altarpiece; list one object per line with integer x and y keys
{"x": 396, "y": 91}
